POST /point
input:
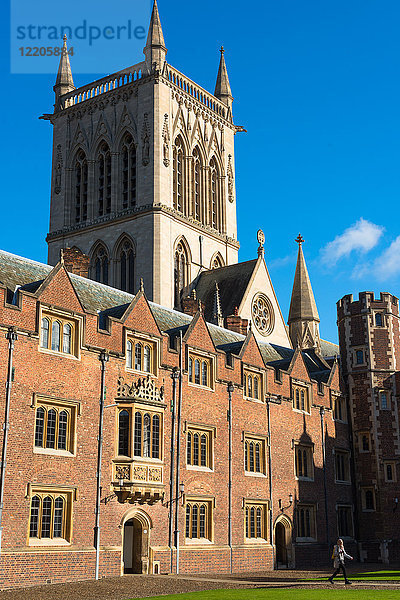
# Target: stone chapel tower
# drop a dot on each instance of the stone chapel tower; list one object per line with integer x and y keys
{"x": 143, "y": 178}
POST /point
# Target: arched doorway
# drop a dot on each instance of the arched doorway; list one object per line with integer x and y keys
{"x": 135, "y": 552}
{"x": 283, "y": 543}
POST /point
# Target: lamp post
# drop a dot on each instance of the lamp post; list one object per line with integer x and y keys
{"x": 283, "y": 508}
{"x": 12, "y": 337}
{"x": 104, "y": 358}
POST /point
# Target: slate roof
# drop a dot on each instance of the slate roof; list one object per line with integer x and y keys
{"x": 16, "y": 271}
{"x": 232, "y": 282}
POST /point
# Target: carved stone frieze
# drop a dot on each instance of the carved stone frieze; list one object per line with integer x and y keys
{"x": 143, "y": 389}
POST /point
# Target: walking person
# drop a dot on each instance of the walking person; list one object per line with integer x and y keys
{"x": 339, "y": 554}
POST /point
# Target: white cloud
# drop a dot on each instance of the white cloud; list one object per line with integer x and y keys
{"x": 360, "y": 237}
{"x": 385, "y": 266}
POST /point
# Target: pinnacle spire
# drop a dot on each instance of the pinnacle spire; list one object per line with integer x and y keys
{"x": 64, "y": 82}
{"x": 217, "y": 317}
{"x": 155, "y": 50}
{"x": 223, "y": 87}
{"x": 303, "y": 314}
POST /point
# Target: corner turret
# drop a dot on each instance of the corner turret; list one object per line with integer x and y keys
{"x": 155, "y": 50}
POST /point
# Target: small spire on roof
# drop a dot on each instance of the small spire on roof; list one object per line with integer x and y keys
{"x": 223, "y": 87}
{"x": 141, "y": 284}
{"x": 155, "y": 50}
{"x": 62, "y": 256}
{"x": 64, "y": 82}
{"x": 299, "y": 239}
{"x": 217, "y": 317}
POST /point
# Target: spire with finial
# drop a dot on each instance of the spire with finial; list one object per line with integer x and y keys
{"x": 64, "y": 82}
{"x": 223, "y": 87}
{"x": 155, "y": 50}
{"x": 217, "y": 317}
{"x": 141, "y": 284}
{"x": 303, "y": 314}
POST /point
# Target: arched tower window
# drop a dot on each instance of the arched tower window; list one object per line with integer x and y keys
{"x": 178, "y": 175}
{"x": 99, "y": 267}
{"x": 128, "y": 167}
{"x": 197, "y": 211}
{"x": 104, "y": 180}
{"x": 126, "y": 265}
{"x": 181, "y": 268}
{"x": 214, "y": 216}
{"x": 81, "y": 187}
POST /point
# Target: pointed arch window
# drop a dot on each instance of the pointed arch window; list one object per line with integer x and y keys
{"x": 214, "y": 216}
{"x": 129, "y": 168}
{"x": 181, "y": 269}
{"x": 178, "y": 175}
{"x": 126, "y": 260}
{"x": 100, "y": 266}
{"x": 104, "y": 180}
{"x": 217, "y": 262}
{"x": 81, "y": 187}
{"x": 197, "y": 211}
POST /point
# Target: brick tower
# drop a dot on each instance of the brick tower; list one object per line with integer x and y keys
{"x": 369, "y": 337}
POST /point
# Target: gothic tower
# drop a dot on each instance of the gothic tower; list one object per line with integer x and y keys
{"x": 143, "y": 174}
{"x": 303, "y": 314}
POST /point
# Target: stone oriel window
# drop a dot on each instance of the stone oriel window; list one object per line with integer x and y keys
{"x": 342, "y": 466}
{"x": 256, "y": 520}
{"x": 200, "y": 370}
{"x": 55, "y": 424}
{"x": 128, "y": 171}
{"x": 344, "y": 521}
{"x": 301, "y": 398}
{"x": 50, "y": 518}
{"x": 252, "y": 385}
{"x": 141, "y": 355}
{"x": 304, "y": 461}
{"x": 199, "y": 447}
{"x": 254, "y": 454}
{"x": 199, "y": 519}
{"x": 59, "y": 334}
{"x": 305, "y": 522}
{"x": 147, "y": 434}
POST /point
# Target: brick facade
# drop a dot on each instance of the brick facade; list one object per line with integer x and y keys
{"x": 52, "y": 375}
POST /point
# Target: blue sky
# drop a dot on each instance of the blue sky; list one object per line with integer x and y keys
{"x": 316, "y": 85}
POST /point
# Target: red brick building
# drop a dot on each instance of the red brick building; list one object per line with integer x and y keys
{"x": 290, "y": 472}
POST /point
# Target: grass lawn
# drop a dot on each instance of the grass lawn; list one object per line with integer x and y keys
{"x": 284, "y": 594}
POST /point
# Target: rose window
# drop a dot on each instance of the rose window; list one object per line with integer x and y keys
{"x": 262, "y": 314}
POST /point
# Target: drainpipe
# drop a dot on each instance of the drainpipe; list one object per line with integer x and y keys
{"x": 104, "y": 358}
{"x": 12, "y": 337}
{"x": 322, "y": 413}
{"x": 174, "y": 376}
{"x": 178, "y": 457}
{"x": 271, "y": 516}
{"x": 230, "y": 392}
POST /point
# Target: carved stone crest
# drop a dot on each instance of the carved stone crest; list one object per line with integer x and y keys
{"x": 144, "y": 389}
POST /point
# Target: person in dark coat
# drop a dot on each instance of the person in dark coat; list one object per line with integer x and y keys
{"x": 339, "y": 555}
